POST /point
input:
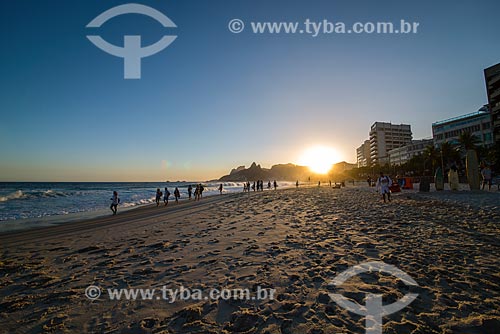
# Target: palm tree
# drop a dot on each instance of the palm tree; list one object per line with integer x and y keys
{"x": 468, "y": 141}
{"x": 449, "y": 153}
{"x": 432, "y": 154}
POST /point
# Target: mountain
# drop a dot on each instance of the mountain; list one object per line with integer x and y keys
{"x": 237, "y": 169}
{"x": 280, "y": 172}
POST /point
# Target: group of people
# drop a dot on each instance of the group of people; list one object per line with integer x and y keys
{"x": 485, "y": 175}
{"x": 166, "y": 196}
{"x": 198, "y": 191}
{"x": 384, "y": 182}
{"x": 198, "y": 194}
{"x": 258, "y": 185}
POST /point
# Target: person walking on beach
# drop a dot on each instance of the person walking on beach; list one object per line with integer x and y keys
{"x": 190, "y": 191}
{"x": 269, "y": 184}
{"x": 201, "y": 190}
{"x": 253, "y": 186}
{"x": 115, "y": 200}
{"x": 158, "y": 196}
{"x": 275, "y": 185}
{"x": 297, "y": 184}
{"x": 383, "y": 184}
{"x": 486, "y": 174}
{"x": 319, "y": 184}
{"x": 197, "y": 193}
{"x": 166, "y": 195}
{"x": 177, "y": 195}
{"x": 220, "y": 189}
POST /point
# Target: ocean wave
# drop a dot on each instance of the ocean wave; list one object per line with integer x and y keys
{"x": 15, "y": 195}
{"x": 139, "y": 202}
{"x": 19, "y": 194}
{"x": 49, "y": 193}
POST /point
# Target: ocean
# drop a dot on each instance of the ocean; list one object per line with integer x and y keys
{"x": 40, "y": 202}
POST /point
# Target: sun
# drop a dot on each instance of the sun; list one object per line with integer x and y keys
{"x": 319, "y": 159}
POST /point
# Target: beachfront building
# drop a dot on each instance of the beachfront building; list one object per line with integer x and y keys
{"x": 478, "y": 123}
{"x": 492, "y": 78}
{"x": 343, "y": 166}
{"x": 403, "y": 154}
{"x": 363, "y": 154}
{"x": 385, "y": 137}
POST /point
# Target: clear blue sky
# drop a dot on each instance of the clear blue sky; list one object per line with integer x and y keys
{"x": 214, "y": 100}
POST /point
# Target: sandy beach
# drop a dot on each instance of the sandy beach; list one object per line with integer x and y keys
{"x": 294, "y": 241}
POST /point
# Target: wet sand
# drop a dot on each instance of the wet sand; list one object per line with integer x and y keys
{"x": 293, "y": 241}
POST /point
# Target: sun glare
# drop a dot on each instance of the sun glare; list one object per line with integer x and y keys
{"x": 319, "y": 159}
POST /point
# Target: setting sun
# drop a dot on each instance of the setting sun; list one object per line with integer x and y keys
{"x": 319, "y": 159}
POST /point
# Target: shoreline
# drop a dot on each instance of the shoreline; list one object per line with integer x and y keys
{"x": 467, "y": 197}
{"x": 141, "y": 212}
{"x": 12, "y": 225}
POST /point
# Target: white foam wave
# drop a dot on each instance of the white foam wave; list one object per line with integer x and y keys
{"x": 15, "y": 195}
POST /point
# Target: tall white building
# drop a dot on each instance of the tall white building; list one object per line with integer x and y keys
{"x": 363, "y": 154}
{"x": 385, "y": 137}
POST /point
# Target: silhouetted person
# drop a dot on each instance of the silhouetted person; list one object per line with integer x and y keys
{"x": 486, "y": 174}
{"x": 166, "y": 195}
{"x": 197, "y": 193}
{"x": 220, "y": 189}
{"x": 275, "y": 185}
{"x": 269, "y": 185}
{"x": 297, "y": 184}
{"x": 158, "y": 196}
{"x": 115, "y": 200}
{"x": 177, "y": 195}
{"x": 190, "y": 191}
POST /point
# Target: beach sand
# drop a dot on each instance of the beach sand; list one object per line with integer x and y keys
{"x": 294, "y": 241}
